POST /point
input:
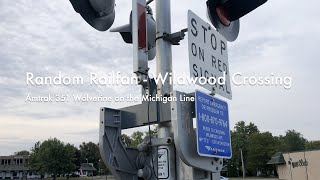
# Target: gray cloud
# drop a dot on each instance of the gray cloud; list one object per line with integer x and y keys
{"x": 85, "y": 133}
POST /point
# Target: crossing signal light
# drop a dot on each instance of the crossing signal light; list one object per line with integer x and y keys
{"x": 225, "y": 15}
{"x": 126, "y": 34}
{"x": 99, "y": 14}
{"x": 235, "y": 9}
{"x": 125, "y": 31}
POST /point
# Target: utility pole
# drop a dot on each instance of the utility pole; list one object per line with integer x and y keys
{"x": 164, "y": 65}
{"x": 243, "y": 171}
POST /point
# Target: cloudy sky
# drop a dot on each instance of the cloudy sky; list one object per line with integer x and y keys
{"x": 45, "y": 37}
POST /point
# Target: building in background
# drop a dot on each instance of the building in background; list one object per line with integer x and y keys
{"x": 87, "y": 169}
{"x": 304, "y": 165}
{"x": 16, "y": 167}
{"x": 13, "y": 167}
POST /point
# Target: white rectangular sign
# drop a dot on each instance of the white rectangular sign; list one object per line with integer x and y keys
{"x": 208, "y": 56}
{"x": 163, "y": 163}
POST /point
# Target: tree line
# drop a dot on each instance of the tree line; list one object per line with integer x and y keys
{"x": 258, "y": 148}
{"x": 56, "y": 157}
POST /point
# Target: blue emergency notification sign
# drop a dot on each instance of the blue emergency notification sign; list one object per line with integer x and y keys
{"x": 213, "y": 129}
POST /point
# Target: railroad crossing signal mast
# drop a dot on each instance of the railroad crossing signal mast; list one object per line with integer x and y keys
{"x": 177, "y": 152}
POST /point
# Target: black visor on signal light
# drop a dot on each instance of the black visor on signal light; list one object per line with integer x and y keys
{"x": 235, "y": 9}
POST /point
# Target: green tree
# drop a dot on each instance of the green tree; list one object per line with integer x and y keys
{"x": 280, "y": 146}
{"x": 137, "y": 138}
{"x": 23, "y": 153}
{"x": 313, "y": 145}
{"x": 153, "y": 132}
{"x": 242, "y": 133}
{"x": 52, "y": 156}
{"x": 102, "y": 168}
{"x": 35, "y": 159}
{"x": 260, "y": 150}
{"x": 69, "y": 164}
{"x": 234, "y": 163}
{"x": 293, "y": 141}
{"x": 240, "y": 139}
{"x": 126, "y": 140}
{"x": 89, "y": 152}
{"x": 77, "y": 156}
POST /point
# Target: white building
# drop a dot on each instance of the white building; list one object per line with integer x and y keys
{"x": 304, "y": 165}
{"x": 87, "y": 169}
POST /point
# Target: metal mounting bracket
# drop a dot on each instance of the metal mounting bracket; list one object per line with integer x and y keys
{"x": 175, "y": 38}
{"x": 137, "y": 163}
{"x": 123, "y": 162}
{"x": 118, "y": 158}
{"x": 182, "y": 114}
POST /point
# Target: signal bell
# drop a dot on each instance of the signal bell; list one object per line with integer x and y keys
{"x": 99, "y": 14}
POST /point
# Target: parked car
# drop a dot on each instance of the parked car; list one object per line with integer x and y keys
{"x": 223, "y": 178}
{"x": 73, "y": 175}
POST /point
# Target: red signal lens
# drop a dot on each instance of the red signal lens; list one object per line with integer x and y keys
{"x": 223, "y": 15}
{"x": 142, "y": 29}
